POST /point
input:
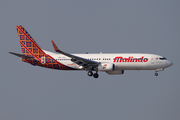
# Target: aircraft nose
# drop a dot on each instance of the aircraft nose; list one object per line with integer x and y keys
{"x": 169, "y": 63}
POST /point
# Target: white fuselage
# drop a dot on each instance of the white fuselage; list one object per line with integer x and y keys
{"x": 124, "y": 61}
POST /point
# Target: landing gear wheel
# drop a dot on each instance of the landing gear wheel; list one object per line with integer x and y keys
{"x": 90, "y": 73}
{"x": 156, "y": 74}
{"x": 95, "y": 75}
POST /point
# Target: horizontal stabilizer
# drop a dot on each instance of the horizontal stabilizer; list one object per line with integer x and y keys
{"x": 21, "y": 55}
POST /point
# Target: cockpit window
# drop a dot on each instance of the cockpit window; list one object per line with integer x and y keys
{"x": 163, "y": 58}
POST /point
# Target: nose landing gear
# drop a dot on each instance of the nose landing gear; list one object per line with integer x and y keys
{"x": 156, "y": 74}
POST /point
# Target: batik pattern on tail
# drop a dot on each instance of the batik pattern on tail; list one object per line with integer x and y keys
{"x": 30, "y": 48}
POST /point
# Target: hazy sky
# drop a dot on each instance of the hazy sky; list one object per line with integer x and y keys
{"x": 78, "y": 26}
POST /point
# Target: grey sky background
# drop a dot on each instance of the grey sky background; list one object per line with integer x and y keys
{"x": 79, "y": 26}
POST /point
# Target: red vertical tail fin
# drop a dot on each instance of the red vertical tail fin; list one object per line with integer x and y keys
{"x": 28, "y": 45}
{"x": 33, "y": 54}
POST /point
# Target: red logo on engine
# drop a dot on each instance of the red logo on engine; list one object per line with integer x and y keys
{"x": 130, "y": 59}
{"x": 104, "y": 66}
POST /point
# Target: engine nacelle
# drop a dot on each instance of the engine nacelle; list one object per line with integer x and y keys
{"x": 115, "y": 72}
{"x": 106, "y": 67}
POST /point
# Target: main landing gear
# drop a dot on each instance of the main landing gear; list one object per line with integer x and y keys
{"x": 95, "y": 75}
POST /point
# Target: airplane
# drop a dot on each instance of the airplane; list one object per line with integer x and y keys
{"x": 111, "y": 63}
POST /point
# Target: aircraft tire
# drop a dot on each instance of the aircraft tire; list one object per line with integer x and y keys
{"x": 156, "y": 74}
{"x": 90, "y": 73}
{"x": 95, "y": 75}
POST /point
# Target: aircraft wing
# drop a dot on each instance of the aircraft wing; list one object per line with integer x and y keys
{"x": 21, "y": 55}
{"x": 76, "y": 59}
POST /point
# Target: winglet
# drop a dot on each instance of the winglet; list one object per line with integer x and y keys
{"x": 55, "y": 47}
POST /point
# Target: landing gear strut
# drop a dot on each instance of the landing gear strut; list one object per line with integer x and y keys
{"x": 157, "y": 70}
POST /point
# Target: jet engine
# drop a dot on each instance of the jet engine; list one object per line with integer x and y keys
{"x": 106, "y": 67}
